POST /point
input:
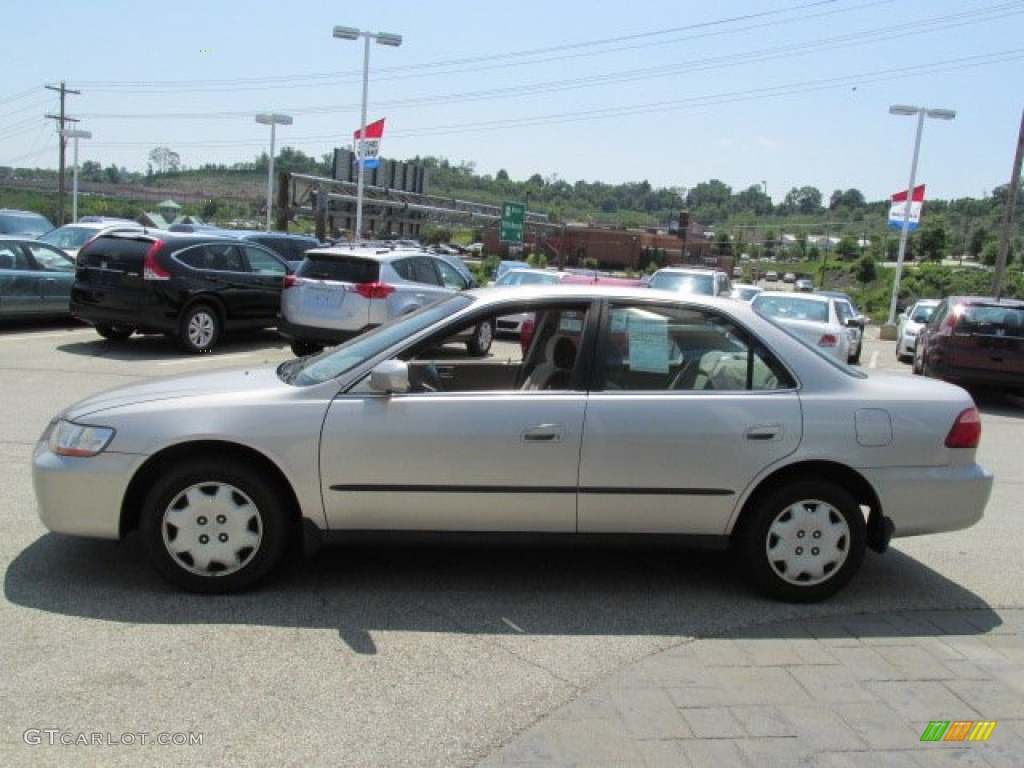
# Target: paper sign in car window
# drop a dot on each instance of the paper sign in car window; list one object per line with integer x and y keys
{"x": 648, "y": 345}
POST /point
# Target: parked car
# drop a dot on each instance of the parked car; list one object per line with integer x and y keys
{"x": 337, "y": 293}
{"x": 812, "y": 317}
{"x": 745, "y": 292}
{"x": 910, "y": 324}
{"x": 71, "y": 237}
{"x": 692, "y": 280}
{"x": 804, "y": 285}
{"x": 974, "y": 341}
{"x": 796, "y": 463}
{"x": 771, "y": 276}
{"x": 190, "y": 286}
{"x": 35, "y": 278}
{"x": 789, "y": 277}
{"x": 289, "y": 246}
{"x": 23, "y": 223}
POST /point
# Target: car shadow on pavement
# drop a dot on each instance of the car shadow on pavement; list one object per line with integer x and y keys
{"x": 998, "y": 402}
{"x": 157, "y": 347}
{"x": 358, "y": 590}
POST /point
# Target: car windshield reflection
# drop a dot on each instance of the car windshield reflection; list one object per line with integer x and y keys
{"x": 339, "y": 360}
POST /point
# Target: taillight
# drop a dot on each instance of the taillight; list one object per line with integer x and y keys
{"x": 946, "y": 329}
{"x": 526, "y": 332}
{"x": 374, "y": 290}
{"x": 150, "y": 269}
{"x": 290, "y": 281}
{"x": 966, "y": 430}
{"x": 828, "y": 340}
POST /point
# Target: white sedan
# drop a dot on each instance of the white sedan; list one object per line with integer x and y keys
{"x": 812, "y": 317}
{"x": 631, "y": 412}
{"x": 910, "y": 324}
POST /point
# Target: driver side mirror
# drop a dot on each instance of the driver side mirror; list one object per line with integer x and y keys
{"x": 389, "y": 377}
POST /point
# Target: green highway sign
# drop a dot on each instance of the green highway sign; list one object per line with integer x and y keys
{"x": 511, "y": 228}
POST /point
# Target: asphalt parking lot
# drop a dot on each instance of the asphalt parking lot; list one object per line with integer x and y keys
{"x": 379, "y": 656}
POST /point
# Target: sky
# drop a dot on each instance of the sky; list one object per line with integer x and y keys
{"x": 780, "y": 94}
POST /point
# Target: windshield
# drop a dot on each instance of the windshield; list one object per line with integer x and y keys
{"x": 335, "y": 361}
{"x": 921, "y": 314}
{"x": 69, "y": 237}
{"x": 684, "y": 283}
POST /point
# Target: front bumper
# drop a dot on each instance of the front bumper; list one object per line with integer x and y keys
{"x": 82, "y": 496}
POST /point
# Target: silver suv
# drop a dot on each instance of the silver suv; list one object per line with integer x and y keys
{"x": 693, "y": 280}
{"x": 339, "y": 292}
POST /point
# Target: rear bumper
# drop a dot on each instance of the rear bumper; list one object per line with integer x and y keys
{"x": 975, "y": 376}
{"x": 327, "y": 336}
{"x": 922, "y": 500}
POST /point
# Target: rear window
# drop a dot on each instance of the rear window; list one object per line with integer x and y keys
{"x": 114, "y": 252}
{"x": 342, "y": 269}
{"x": 684, "y": 283}
{"x": 991, "y": 320}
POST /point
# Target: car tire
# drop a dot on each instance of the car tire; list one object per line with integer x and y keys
{"x": 917, "y": 366}
{"x": 804, "y": 542}
{"x": 112, "y": 332}
{"x": 302, "y": 348}
{"x": 855, "y": 358}
{"x": 483, "y": 336}
{"x": 200, "y": 328}
{"x": 215, "y": 526}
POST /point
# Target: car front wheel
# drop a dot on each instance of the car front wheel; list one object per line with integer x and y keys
{"x": 200, "y": 328}
{"x": 480, "y": 342}
{"x": 804, "y": 542}
{"x": 214, "y": 526}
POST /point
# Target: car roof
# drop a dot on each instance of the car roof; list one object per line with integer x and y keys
{"x": 818, "y": 297}
{"x": 372, "y": 254}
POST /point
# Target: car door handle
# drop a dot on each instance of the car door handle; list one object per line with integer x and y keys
{"x": 544, "y": 433}
{"x": 764, "y": 432}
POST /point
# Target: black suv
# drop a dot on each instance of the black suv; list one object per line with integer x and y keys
{"x": 191, "y": 287}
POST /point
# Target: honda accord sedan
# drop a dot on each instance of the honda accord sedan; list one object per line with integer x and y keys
{"x": 631, "y": 411}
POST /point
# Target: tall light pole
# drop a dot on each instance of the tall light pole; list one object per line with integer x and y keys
{"x": 273, "y": 120}
{"x": 76, "y": 134}
{"x": 382, "y": 38}
{"x": 921, "y": 112}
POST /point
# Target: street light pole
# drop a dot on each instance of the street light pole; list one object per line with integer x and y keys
{"x": 921, "y": 112}
{"x": 76, "y": 134}
{"x": 382, "y": 38}
{"x": 273, "y": 120}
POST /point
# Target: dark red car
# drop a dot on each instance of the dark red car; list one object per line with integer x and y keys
{"x": 974, "y": 341}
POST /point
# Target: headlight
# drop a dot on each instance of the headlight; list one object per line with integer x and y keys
{"x": 70, "y": 439}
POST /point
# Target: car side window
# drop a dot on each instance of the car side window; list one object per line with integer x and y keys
{"x": 450, "y": 276}
{"x": 9, "y": 256}
{"x": 263, "y": 263}
{"x": 647, "y": 348}
{"x": 424, "y": 271}
{"x": 51, "y": 260}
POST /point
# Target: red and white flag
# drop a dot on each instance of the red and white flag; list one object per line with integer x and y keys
{"x": 368, "y": 150}
{"x": 899, "y": 205}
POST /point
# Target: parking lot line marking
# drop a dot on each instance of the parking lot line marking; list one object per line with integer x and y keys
{"x": 517, "y": 629}
{"x": 49, "y": 335}
{"x": 873, "y": 363}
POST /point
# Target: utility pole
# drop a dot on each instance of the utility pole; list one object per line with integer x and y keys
{"x": 1011, "y": 203}
{"x": 63, "y": 120}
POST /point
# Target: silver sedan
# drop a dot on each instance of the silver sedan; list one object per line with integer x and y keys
{"x": 627, "y": 411}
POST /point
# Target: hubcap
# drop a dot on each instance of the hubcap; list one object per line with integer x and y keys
{"x": 808, "y": 542}
{"x": 212, "y": 529}
{"x": 200, "y": 329}
{"x": 484, "y": 335}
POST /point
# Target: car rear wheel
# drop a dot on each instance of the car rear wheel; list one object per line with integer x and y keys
{"x": 302, "y": 348}
{"x": 200, "y": 328}
{"x": 214, "y": 526}
{"x": 480, "y": 342}
{"x": 113, "y": 332}
{"x": 804, "y": 542}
